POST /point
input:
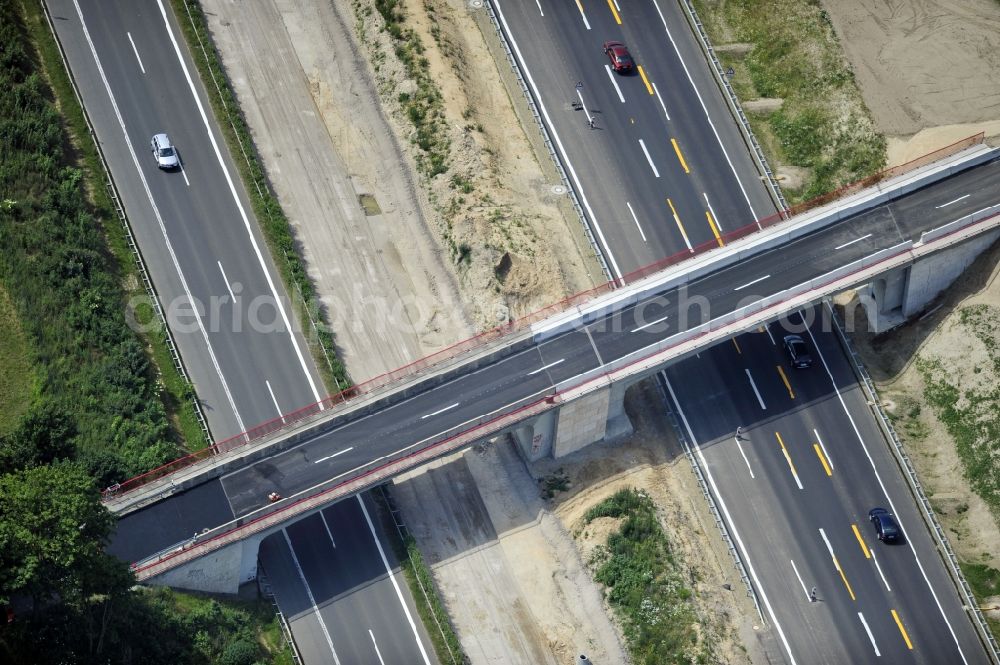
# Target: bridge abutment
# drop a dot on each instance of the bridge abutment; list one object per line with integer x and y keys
{"x": 894, "y": 297}
{"x": 220, "y": 571}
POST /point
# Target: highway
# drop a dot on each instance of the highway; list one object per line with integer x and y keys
{"x": 808, "y": 466}
{"x": 654, "y": 181}
{"x": 666, "y": 156}
{"x": 201, "y": 243}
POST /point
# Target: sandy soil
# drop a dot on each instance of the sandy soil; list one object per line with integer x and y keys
{"x": 375, "y": 236}
{"x": 929, "y": 70}
{"x": 511, "y": 564}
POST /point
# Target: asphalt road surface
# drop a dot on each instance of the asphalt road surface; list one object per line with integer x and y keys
{"x": 202, "y": 245}
{"x": 665, "y": 162}
{"x": 341, "y": 617}
{"x": 796, "y": 487}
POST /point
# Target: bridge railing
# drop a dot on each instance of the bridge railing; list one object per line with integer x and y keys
{"x": 481, "y": 341}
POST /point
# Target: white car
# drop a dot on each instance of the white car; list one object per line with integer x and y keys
{"x": 164, "y": 152}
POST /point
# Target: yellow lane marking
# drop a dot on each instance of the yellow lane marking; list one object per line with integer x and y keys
{"x": 899, "y": 623}
{"x": 715, "y": 230}
{"x": 615, "y": 12}
{"x": 844, "y": 577}
{"x": 861, "y": 541}
{"x": 736, "y": 344}
{"x": 826, "y": 467}
{"x": 679, "y": 225}
{"x": 677, "y": 149}
{"x": 781, "y": 371}
{"x": 788, "y": 458}
{"x": 642, "y": 73}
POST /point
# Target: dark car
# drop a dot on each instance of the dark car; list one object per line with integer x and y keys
{"x": 621, "y": 60}
{"x": 886, "y": 528}
{"x": 798, "y": 352}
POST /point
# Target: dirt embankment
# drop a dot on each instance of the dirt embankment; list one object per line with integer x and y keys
{"x": 513, "y": 240}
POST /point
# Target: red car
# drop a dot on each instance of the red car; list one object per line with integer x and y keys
{"x": 621, "y": 60}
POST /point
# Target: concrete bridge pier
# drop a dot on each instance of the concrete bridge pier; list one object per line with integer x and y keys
{"x": 894, "y": 297}
{"x": 597, "y": 416}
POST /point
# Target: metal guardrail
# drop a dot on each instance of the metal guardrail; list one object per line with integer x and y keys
{"x": 713, "y": 508}
{"x": 588, "y": 229}
{"x": 926, "y": 510}
{"x": 129, "y": 237}
{"x": 401, "y": 529}
{"x": 733, "y": 102}
{"x": 286, "y": 631}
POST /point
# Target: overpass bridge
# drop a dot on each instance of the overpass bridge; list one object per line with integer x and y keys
{"x": 557, "y": 384}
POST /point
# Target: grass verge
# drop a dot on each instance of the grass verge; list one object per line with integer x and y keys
{"x": 822, "y": 125}
{"x": 425, "y": 593}
{"x": 177, "y": 394}
{"x": 985, "y": 583}
{"x": 226, "y": 631}
{"x": 270, "y": 216}
{"x": 18, "y": 379}
{"x": 644, "y": 584}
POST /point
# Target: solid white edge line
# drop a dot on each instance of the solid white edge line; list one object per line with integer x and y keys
{"x": 557, "y": 140}
{"x": 885, "y": 493}
{"x": 791, "y": 467}
{"x": 275, "y": 400}
{"x": 440, "y": 411}
{"x": 848, "y": 244}
{"x": 759, "y": 279}
{"x": 545, "y": 367}
{"x": 805, "y": 591}
{"x": 869, "y": 631}
{"x": 136, "y": 51}
{"x": 705, "y": 109}
{"x": 159, "y": 218}
{"x": 226, "y": 280}
{"x": 636, "y": 221}
{"x": 611, "y": 76}
{"x": 729, "y": 521}
{"x": 820, "y": 442}
{"x": 375, "y": 644}
{"x": 392, "y": 578}
{"x": 767, "y": 328}
{"x": 829, "y": 547}
{"x": 582, "y": 15}
{"x": 649, "y": 159}
{"x": 312, "y": 599}
{"x": 328, "y": 532}
{"x": 755, "y": 391}
{"x": 651, "y": 323}
{"x": 945, "y": 205}
{"x": 879, "y": 569}
{"x": 239, "y": 206}
{"x": 715, "y": 217}
{"x": 740, "y": 446}
{"x": 658, "y": 97}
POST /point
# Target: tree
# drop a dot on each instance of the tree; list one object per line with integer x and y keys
{"x": 45, "y": 434}
{"x": 52, "y": 534}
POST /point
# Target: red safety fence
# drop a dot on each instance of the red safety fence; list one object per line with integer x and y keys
{"x": 478, "y": 342}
